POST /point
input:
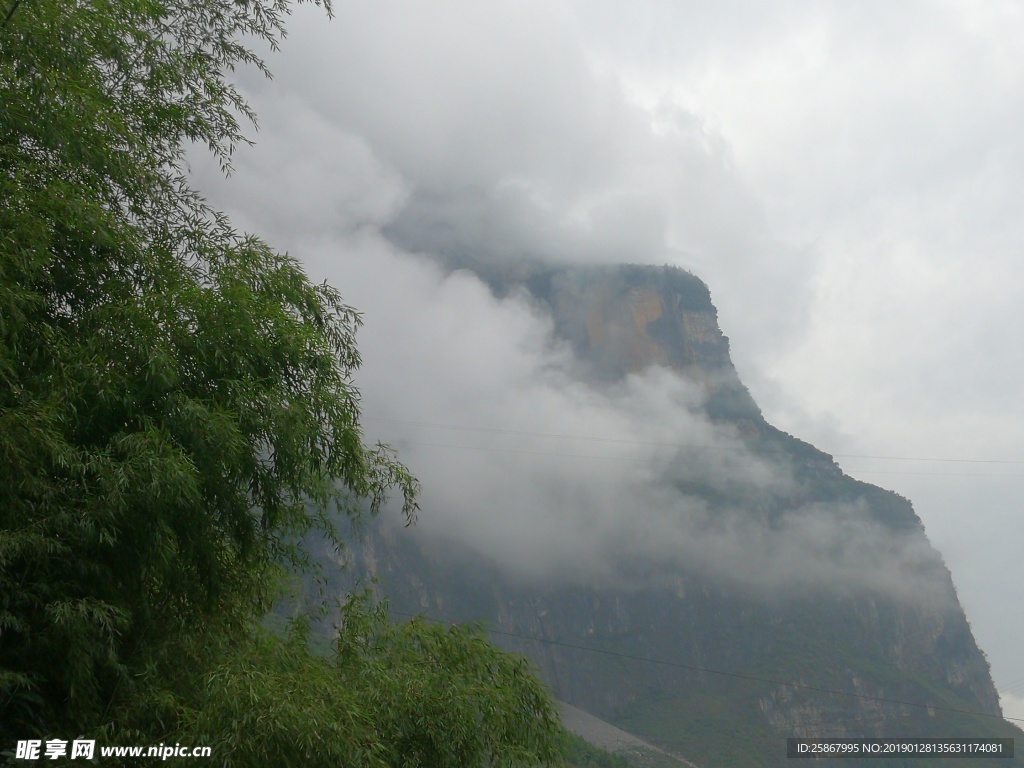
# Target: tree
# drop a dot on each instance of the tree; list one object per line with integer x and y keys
{"x": 176, "y": 399}
{"x": 402, "y": 696}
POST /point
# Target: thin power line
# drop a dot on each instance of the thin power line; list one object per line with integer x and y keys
{"x": 637, "y": 460}
{"x": 1014, "y": 687}
{"x": 708, "y": 670}
{"x": 699, "y": 446}
{"x": 935, "y": 474}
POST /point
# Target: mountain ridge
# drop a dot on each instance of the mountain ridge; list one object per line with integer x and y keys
{"x": 861, "y": 626}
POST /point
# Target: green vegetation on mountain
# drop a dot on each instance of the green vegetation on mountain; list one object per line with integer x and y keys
{"x": 176, "y": 411}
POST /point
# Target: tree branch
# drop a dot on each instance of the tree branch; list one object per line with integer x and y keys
{"x": 10, "y": 13}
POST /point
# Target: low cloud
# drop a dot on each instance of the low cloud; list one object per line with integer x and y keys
{"x": 553, "y": 477}
{"x": 417, "y": 140}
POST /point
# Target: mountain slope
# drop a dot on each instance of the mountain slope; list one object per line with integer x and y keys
{"x": 784, "y": 599}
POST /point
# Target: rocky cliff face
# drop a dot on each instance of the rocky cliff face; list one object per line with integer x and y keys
{"x": 621, "y": 320}
{"x": 703, "y": 664}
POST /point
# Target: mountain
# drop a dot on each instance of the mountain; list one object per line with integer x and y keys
{"x": 777, "y": 597}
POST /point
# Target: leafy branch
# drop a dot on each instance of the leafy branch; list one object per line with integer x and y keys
{"x": 10, "y": 13}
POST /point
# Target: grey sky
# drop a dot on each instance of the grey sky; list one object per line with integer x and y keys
{"x": 846, "y": 177}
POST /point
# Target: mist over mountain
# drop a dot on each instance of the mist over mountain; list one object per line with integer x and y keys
{"x": 639, "y": 507}
{"x": 844, "y": 177}
{"x": 659, "y": 459}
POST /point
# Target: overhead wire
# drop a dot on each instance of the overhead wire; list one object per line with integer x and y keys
{"x": 679, "y": 446}
{"x": 638, "y": 460}
{"x": 656, "y": 443}
{"x": 1014, "y": 686}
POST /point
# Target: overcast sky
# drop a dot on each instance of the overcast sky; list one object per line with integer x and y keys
{"x": 846, "y": 177}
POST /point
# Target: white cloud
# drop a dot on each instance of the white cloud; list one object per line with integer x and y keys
{"x": 846, "y": 178}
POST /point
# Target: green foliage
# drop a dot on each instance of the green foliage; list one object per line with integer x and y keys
{"x": 582, "y": 754}
{"x": 176, "y": 401}
{"x": 444, "y": 696}
{"x": 176, "y": 411}
{"x": 414, "y": 695}
{"x": 272, "y": 702}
